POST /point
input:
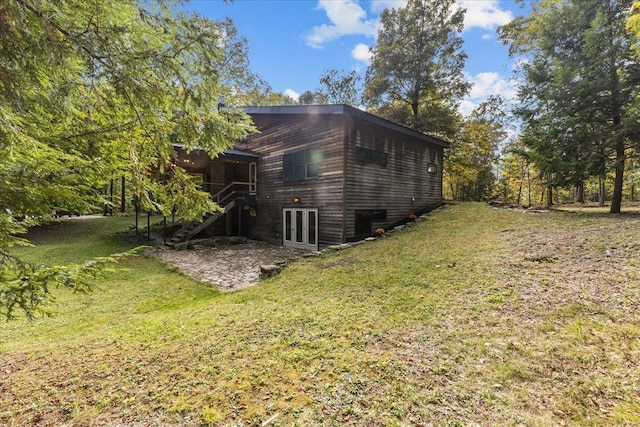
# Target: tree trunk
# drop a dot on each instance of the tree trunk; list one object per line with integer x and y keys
{"x": 506, "y": 192}
{"x": 601, "y": 191}
{"x": 616, "y": 198}
{"x": 549, "y": 196}
{"x": 578, "y": 194}
{"x": 632, "y": 187}
{"x": 105, "y": 206}
{"x": 111, "y": 197}
{"x": 529, "y": 185}
{"x": 122, "y": 196}
{"x": 616, "y": 118}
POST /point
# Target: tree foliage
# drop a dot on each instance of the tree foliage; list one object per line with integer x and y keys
{"x": 470, "y": 159}
{"x": 339, "y": 87}
{"x": 89, "y": 90}
{"x": 579, "y": 89}
{"x": 336, "y": 87}
{"x": 415, "y": 77}
{"x": 518, "y": 182}
{"x": 306, "y": 98}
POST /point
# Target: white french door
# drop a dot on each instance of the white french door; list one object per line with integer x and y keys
{"x": 300, "y": 228}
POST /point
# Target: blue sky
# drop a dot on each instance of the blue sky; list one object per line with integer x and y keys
{"x": 292, "y": 42}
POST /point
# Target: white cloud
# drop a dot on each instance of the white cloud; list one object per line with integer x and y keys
{"x": 466, "y": 107}
{"x": 379, "y": 5}
{"x": 346, "y": 17}
{"x": 485, "y": 85}
{"x": 519, "y": 64}
{"x": 484, "y": 14}
{"x": 361, "y": 53}
{"x": 292, "y": 94}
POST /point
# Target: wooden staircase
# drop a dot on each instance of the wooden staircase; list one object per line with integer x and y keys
{"x": 192, "y": 229}
{"x": 224, "y": 198}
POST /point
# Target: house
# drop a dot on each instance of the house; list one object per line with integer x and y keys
{"x": 318, "y": 175}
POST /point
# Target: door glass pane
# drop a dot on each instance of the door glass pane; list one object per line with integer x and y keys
{"x": 287, "y": 226}
{"x": 299, "y": 233}
{"x": 311, "y": 220}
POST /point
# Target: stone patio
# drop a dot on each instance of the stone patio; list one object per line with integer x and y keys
{"x": 228, "y": 267}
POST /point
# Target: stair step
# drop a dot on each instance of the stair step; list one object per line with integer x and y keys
{"x": 193, "y": 228}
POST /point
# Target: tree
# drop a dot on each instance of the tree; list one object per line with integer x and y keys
{"x": 633, "y": 22}
{"x": 518, "y": 177}
{"x": 90, "y": 90}
{"x": 579, "y": 90}
{"x": 307, "y": 98}
{"x": 471, "y": 157}
{"x": 339, "y": 87}
{"x": 415, "y": 77}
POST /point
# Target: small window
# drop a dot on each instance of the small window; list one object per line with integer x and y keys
{"x": 301, "y": 165}
{"x": 364, "y": 219}
{"x": 371, "y": 156}
{"x": 432, "y": 168}
{"x": 363, "y": 222}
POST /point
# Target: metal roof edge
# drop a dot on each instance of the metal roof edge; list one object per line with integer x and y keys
{"x": 328, "y": 109}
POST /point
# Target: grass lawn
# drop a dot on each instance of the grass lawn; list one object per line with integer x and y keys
{"x": 475, "y": 316}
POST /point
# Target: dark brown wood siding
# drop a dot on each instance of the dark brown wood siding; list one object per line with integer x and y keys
{"x": 370, "y": 186}
{"x": 281, "y": 134}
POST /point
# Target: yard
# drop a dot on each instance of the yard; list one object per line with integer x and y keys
{"x": 475, "y": 316}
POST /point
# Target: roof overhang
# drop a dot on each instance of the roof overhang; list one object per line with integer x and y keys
{"x": 339, "y": 109}
{"x": 233, "y": 154}
{"x": 230, "y": 154}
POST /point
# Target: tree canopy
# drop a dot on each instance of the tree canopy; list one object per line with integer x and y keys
{"x": 339, "y": 87}
{"x": 578, "y": 90}
{"x": 468, "y": 174}
{"x": 415, "y": 77}
{"x": 93, "y": 89}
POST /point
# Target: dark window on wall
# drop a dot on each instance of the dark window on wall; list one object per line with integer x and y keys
{"x": 364, "y": 220}
{"x": 301, "y": 165}
{"x": 432, "y": 164}
{"x": 368, "y": 155}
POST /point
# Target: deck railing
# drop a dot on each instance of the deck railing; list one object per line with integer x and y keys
{"x": 228, "y": 192}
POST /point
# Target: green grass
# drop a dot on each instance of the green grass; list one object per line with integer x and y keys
{"x": 474, "y": 316}
{"x": 76, "y": 240}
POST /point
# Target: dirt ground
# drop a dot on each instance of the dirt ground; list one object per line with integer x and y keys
{"x": 593, "y": 263}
